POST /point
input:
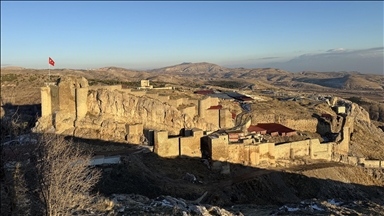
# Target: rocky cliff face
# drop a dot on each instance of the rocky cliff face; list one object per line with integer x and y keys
{"x": 367, "y": 140}
{"x": 353, "y": 110}
{"x": 109, "y": 112}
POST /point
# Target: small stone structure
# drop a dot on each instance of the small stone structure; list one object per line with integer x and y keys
{"x": 166, "y": 146}
{"x": 340, "y": 109}
{"x": 144, "y": 84}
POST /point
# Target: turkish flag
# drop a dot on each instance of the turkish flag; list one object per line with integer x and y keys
{"x": 51, "y": 62}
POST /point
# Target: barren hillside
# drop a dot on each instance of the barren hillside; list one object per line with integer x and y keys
{"x": 147, "y": 174}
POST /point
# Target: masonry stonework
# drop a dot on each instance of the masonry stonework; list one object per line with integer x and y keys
{"x": 190, "y": 146}
{"x": 320, "y": 151}
{"x": 372, "y": 163}
{"x": 134, "y": 133}
{"x": 81, "y": 103}
{"x": 164, "y": 146}
{"x": 46, "y": 107}
{"x": 225, "y": 120}
{"x": 191, "y": 111}
{"x": 212, "y": 116}
{"x": 112, "y": 113}
{"x": 219, "y": 147}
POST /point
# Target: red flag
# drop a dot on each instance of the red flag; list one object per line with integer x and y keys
{"x": 51, "y": 62}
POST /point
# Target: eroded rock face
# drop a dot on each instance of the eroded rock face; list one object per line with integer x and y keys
{"x": 109, "y": 112}
{"x": 359, "y": 113}
{"x": 354, "y": 110}
{"x": 105, "y": 113}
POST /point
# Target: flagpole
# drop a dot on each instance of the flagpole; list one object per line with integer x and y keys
{"x": 49, "y": 73}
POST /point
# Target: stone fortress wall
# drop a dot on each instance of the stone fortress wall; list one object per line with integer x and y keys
{"x": 66, "y": 106}
{"x": 217, "y": 147}
{"x": 186, "y": 145}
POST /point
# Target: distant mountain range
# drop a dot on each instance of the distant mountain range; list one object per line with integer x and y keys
{"x": 204, "y": 72}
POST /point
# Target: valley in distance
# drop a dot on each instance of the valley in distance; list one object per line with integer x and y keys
{"x": 194, "y": 139}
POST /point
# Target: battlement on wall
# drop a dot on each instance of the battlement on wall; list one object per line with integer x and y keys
{"x": 252, "y": 153}
{"x": 166, "y": 146}
{"x": 373, "y": 163}
{"x": 108, "y": 87}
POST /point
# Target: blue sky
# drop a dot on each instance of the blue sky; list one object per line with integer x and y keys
{"x": 294, "y": 36}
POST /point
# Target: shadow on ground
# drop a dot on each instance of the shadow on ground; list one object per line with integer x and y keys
{"x": 150, "y": 175}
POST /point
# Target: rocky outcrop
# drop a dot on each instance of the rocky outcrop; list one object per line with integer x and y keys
{"x": 107, "y": 112}
{"x": 110, "y": 111}
{"x": 359, "y": 113}
{"x": 366, "y": 139}
{"x": 352, "y": 109}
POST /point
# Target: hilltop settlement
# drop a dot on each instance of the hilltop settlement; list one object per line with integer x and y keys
{"x": 208, "y": 124}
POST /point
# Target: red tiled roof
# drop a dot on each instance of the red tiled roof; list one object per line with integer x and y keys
{"x": 215, "y": 107}
{"x": 235, "y": 132}
{"x": 245, "y": 98}
{"x": 273, "y": 127}
{"x": 204, "y": 92}
{"x": 233, "y": 115}
{"x": 326, "y": 115}
{"x": 254, "y": 128}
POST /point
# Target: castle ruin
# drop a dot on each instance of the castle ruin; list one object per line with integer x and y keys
{"x": 72, "y": 107}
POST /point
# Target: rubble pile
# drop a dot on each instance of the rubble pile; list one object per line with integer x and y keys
{"x": 133, "y": 204}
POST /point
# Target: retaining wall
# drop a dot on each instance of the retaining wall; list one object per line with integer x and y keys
{"x": 319, "y": 150}
{"x": 372, "y": 163}
{"x": 108, "y": 87}
{"x": 137, "y": 93}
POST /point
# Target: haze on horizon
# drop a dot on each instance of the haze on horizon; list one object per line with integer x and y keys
{"x": 293, "y": 36}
